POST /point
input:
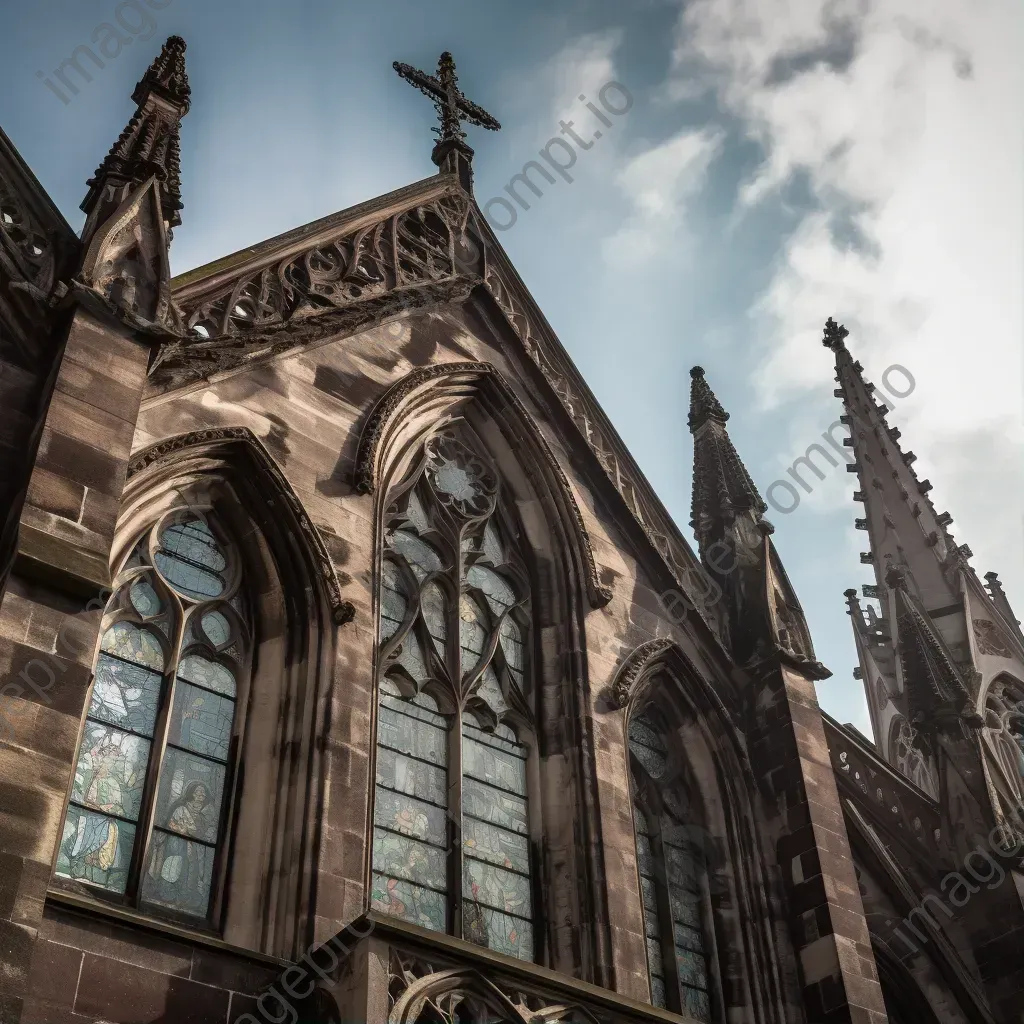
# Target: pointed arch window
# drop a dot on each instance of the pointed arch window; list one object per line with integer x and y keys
{"x": 670, "y": 860}
{"x": 146, "y": 819}
{"x": 1004, "y": 715}
{"x": 451, "y": 847}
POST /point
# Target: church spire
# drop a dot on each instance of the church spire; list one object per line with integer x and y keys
{"x": 149, "y": 144}
{"x": 722, "y": 487}
{"x": 133, "y": 203}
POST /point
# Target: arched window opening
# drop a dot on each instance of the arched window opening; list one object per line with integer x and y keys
{"x": 451, "y": 848}
{"x": 145, "y": 823}
{"x": 673, "y": 874}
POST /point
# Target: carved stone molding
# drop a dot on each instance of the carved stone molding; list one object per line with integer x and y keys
{"x": 390, "y": 404}
{"x": 405, "y": 260}
{"x": 990, "y": 639}
{"x": 543, "y": 348}
{"x": 342, "y": 611}
{"x": 630, "y": 681}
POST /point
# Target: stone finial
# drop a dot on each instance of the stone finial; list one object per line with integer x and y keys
{"x": 834, "y": 335}
{"x": 704, "y": 404}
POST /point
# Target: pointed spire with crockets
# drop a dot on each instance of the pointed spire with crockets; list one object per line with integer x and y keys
{"x": 149, "y": 145}
{"x": 722, "y": 487}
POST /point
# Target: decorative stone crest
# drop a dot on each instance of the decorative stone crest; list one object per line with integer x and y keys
{"x": 990, "y": 640}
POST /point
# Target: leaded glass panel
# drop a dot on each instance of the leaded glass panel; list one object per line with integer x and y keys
{"x": 201, "y": 721}
{"x": 125, "y": 695}
{"x": 670, "y": 866}
{"x": 132, "y": 643}
{"x": 189, "y": 794}
{"x": 133, "y": 708}
{"x": 454, "y": 501}
{"x": 96, "y": 848}
{"x": 111, "y": 771}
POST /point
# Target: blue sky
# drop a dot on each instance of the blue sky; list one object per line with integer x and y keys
{"x": 781, "y": 162}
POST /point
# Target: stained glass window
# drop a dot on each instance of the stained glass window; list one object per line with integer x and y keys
{"x": 149, "y": 694}
{"x": 671, "y": 870}
{"x": 454, "y": 628}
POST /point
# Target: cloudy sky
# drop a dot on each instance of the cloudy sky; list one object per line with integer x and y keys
{"x": 782, "y": 161}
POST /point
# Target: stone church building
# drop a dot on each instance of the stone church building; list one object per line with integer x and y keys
{"x": 352, "y": 671}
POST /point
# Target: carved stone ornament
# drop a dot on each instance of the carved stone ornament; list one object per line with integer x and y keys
{"x": 422, "y": 990}
{"x": 342, "y": 611}
{"x": 411, "y": 259}
{"x": 459, "y": 478}
{"x": 389, "y": 406}
{"x": 990, "y": 640}
{"x": 629, "y": 682}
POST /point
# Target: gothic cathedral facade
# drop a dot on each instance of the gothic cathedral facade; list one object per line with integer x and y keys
{"x": 352, "y": 671}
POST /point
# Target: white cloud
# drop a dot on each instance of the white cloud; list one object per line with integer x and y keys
{"x": 912, "y": 151}
{"x": 658, "y": 183}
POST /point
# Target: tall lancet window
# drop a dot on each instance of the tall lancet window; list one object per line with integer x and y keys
{"x": 146, "y": 817}
{"x": 1004, "y": 735}
{"x": 451, "y": 848}
{"x": 669, "y": 846}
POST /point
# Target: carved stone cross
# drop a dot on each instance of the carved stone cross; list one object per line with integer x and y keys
{"x": 451, "y": 152}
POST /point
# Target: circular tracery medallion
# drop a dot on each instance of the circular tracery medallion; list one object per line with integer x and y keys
{"x": 460, "y": 478}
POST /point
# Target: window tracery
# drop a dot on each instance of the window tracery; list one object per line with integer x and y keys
{"x": 1004, "y": 714}
{"x": 670, "y": 859}
{"x": 909, "y": 759}
{"x": 145, "y": 823}
{"x": 451, "y": 847}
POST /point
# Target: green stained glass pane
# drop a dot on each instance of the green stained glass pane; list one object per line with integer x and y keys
{"x": 145, "y": 599}
{"x": 189, "y": 795}
{"x": 179, "y": 873}
{"x": 511, "y": 639}
{"x": 400, "y": 813}
{"x": 410, "y": 656}
{"x": 498, "y": 594}
{"x": 496, "y": 887}
{"x": 649, "y": 893}
{"x": 433, "y": 609}
{"x": 416, "y": 514}
{"x": 201, "y": 721}
{"x": 692, "y": 968}
{"x": 658, "y": 991}
{"x": 410, "y": 902}
{"x": 488, "y": 763}
{"x": 494, "y": 550}
{"x": 403, "y": 857}
{"x": 412, "y": 777}
{"x": 489, "y": 690}
{"x": 393, "y": 603}
{"x": 402, "y": 730}
{"x": 199, "y": 670}
{"x": 648, "y": 748}
{"x": 96, "y": 849}
{"x": 125, "y": 695}
{"x": 190, "y": 538}
{"x": 685, "y": 905}
{"x": 680, "y": 868}
{"x": 422, "y": 557}
{"x": 697, "y": 1003}
{"x": 494, "y": 806}
{"x": 111, "y": 770}
{"x": 496, "y": 845}
{"x": 503, "y": 933}
{"x": 688, "y": 938}
{"x": 133, "y": 643}
{"x": 472, "y": 633}
{"x": 217, "y": 628}
{"x": 655, "y": 963}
